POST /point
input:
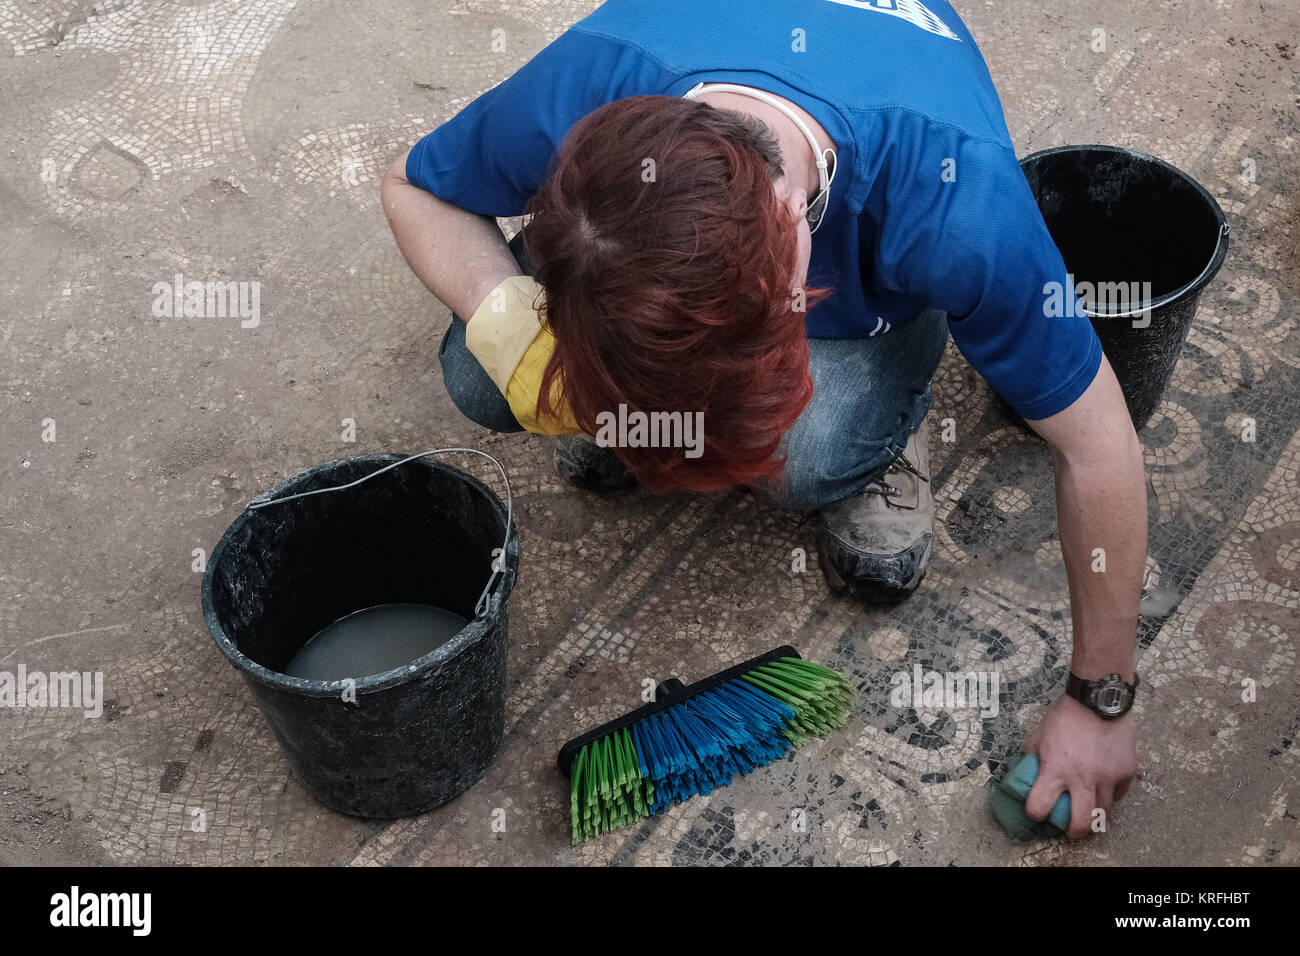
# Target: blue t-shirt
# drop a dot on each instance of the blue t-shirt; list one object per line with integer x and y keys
{"x": 928, "y": 207}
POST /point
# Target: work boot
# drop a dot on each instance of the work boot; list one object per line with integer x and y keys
{"x": 875, "y": 545}
{"x": 584, "y": 464}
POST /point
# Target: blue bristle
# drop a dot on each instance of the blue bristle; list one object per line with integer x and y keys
{"x": 658, "y": 753}
{"x": 699, "y": 744}
{"x": 703, "y": 743}
{"x": 640, "y": 749}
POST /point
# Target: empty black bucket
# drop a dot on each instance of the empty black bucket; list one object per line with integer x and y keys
{"x": 411, "y": 738}
{"x": 1142, "y": 239}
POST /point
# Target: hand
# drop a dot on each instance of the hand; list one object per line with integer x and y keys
{"x": 1094, "y": 759}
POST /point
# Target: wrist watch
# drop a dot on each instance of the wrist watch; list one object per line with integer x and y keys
{"x": 1108, "y": 698}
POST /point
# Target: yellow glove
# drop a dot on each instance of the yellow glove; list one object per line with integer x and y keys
{"x": 506, "y": 335}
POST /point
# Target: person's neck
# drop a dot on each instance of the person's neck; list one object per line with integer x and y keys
{"x": 797, "y": 158}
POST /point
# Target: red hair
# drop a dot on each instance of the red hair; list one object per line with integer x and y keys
{"x": 668, "y": 264}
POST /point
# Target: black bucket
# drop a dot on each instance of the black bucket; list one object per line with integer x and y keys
{"x": 1122, "y": 219}
{"x": 423, "y": 532}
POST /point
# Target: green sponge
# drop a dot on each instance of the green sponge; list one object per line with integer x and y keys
{"x": 1008, "y": 802}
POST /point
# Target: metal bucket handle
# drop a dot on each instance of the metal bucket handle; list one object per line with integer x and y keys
{"x": 1224, "y": 230}
{"x": 498, "y": 564}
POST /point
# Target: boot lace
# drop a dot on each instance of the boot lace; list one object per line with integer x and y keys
{"x": 881, "y": 486}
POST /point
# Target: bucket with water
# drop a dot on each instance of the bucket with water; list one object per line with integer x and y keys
{"x": 364, "y": 603}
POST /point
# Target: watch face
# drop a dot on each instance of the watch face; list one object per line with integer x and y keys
{"x": 1111, "y": 699}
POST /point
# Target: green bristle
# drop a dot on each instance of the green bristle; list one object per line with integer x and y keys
{"x": 821, "y": 697}
{"x": 616, "y": 806}
{"x": 607, "y": 788}
{"x": 603, "y": 770}
{"x": 576, "y": 774}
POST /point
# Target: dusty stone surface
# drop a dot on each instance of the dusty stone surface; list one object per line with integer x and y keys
{"x": 244, "y": 141}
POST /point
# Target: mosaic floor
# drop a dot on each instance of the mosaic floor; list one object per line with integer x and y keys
{"x": 245, "y": 141}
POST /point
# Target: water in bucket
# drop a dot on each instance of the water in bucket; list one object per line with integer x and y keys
{"x": 374, "y": 640}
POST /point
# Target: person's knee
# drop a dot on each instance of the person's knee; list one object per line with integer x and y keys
{"x": 798, "y": 490}
{"x": 470, "y": 388}
{"x": 821, "y": 468}
{"x": 467, "y": 399}
{"x": 934, "y": 322}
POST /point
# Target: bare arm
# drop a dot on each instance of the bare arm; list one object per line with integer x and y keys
{"x": 1100, "y": 504}
{"x": 459, "y": 256}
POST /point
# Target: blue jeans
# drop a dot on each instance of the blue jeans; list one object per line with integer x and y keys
{"x": 869, "y": 396}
